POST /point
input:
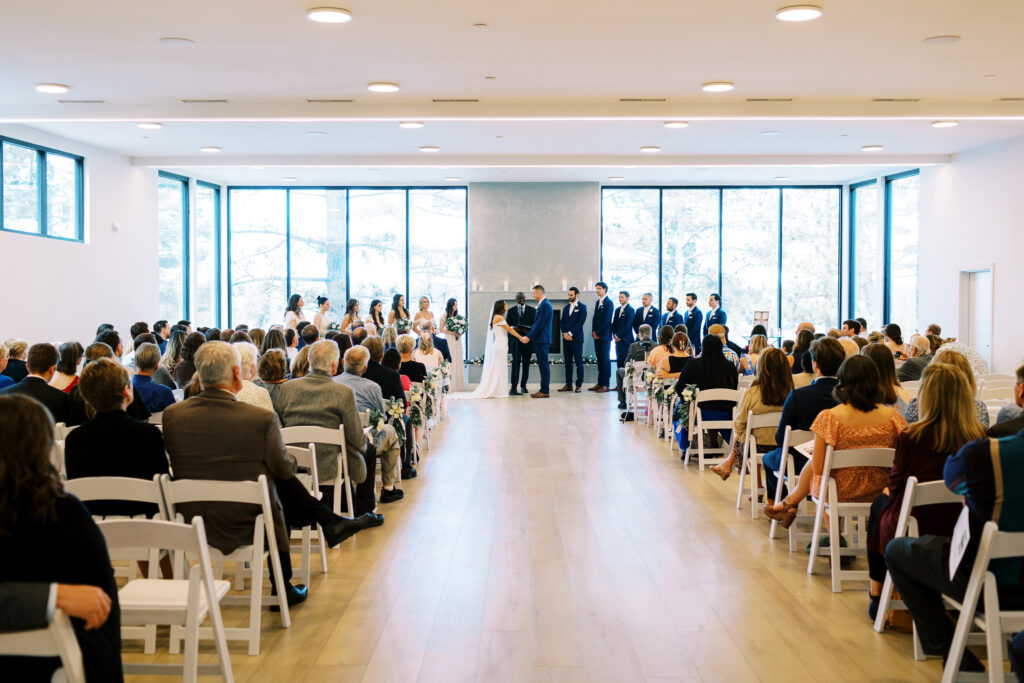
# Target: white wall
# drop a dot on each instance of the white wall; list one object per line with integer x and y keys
{"x": 56, "y": 290}
{"x": 971, "y": 216}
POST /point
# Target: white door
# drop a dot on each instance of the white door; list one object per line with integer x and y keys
{"x": 976, "y": 312}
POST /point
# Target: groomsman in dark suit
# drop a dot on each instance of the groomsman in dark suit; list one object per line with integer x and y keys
{"x": 574, "y": 314}
{"x": 671, "y": 316}
{"x": 648, "y": 314}
{"x": 692, "y": 319}
{"x": 601, "y": 331}
{"x": 622, "y": 329}
{"x": 520, "y": 315}
{"x": 715, "y": 316}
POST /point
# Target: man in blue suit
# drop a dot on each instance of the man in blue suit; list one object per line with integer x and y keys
{"x": 571, "y": 324}
{"x": 692, "y": 319}
{"x": 648, "y": 314}
{"x": 622, "y": 329}
{"x": 671, "y": 317}
{"x": 540, "y": 335}
{"x": 601, "y": 331}
{"x": 715, "y": 316}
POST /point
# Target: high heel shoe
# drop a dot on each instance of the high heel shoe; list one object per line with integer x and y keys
{"x": 721, "y": 471}
{"x": 785, "y": 516}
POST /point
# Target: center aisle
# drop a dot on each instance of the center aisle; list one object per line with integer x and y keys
{"x": 544, "y": 541}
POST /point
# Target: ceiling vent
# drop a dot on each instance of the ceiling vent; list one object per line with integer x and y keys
{"x": 1010, "y": 99}
{"x": 769, "y": 99}
{"x": 642, "y": 99}
{"x": 896, "y": 99}
{"x": 330, "y": 101}
{"x": 205, "y": 101}
{"x": 83, "y": 101}
{"x": 449, "y": 100}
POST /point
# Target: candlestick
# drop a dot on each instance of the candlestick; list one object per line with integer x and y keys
{"x": 565, "y": 285}
{"x": 476, "y": 286}
{"x": 590, "y": 285}
{"x": 506, "y": 284}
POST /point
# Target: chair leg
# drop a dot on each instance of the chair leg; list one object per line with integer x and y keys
{"x": 834, "y": 550}
{"x": 190, "y": 665}
{"x": 323, "y": 550}
{"x": 993, "y": 630}
{"x": 256, "y": 608}
{"x": 755, "y": 487}
{"x": 883, "y": 607}
{"x": 743, "y": 477}
{"x": 815, "y": 532}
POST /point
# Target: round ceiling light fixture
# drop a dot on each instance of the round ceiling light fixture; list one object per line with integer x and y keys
{"x": 410, "y": 124}
{"x": 329, "y": 15}
{"x": 382, "y": 86}
{"x": 177, "y": 42}
{"x": 430, "y": 149}
{"x": 210, "y": 149}
{"x": 151, "y": 126}
{"x": 615, "y": 178}
{"x": 52, "y": 88}
{"x": 289, "y": 179}
{"x": 717, "y": 86}
{"x": 941, "y": 40}
{"x": 781, "y": 178}
{"x": 316, "y": 133}
{"x": 677, "y": 124}
{"x": 771, "y": 132}
{"x": 650, "y": 149}
{"x": 872, "y": 148}
{"x": 798, "y": 13}
{"x": 453, "y": 179}
{"x": 945, "y": 124}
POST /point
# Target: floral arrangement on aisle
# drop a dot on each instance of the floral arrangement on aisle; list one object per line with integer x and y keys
{"x": 334, "y": 326}
{"x": 665, "y": 393}
{"x": 394, "y": 411}
{"x": 630, "y": 373}
{"x": 457, "y": 324}
{"x": 429, "y": 385}
{"x": 415, "y": 410}
{"x": 682, "y": 413}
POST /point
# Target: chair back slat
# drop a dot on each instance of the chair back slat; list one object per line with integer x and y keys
{"x": 861, "y": 457}
{"x": 149, "y": 533}
{"x": 705, "y": 395}
{"x": 127, "y": 489}
{"x": 305, "y": 434}
{"x": 207, "y": 490}
{"x": 763, "y": 420}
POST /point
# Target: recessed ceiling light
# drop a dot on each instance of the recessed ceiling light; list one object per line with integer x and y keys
{"x": 177, "y": 42}
{"x": 430, "y": 148}
{"x": 151, "y": 126}
{"x": 289, "y": 179}
{"x": 453, "y": 179}
{"x": 819, "y": 166}
{"x": 615, "y": 178}
{"x": 316, "y": 133}
{"x": 872, "y": 148}
{"x": 650, "y": 149}
{"x": 410, "y": 124}
{"x": 480, "y": 25}
{"x": 945, "y": 124}
{"x": 676, "y": 124}
{"x": 771, "y": 132}
{"x": 382, "y": 86}
{"x": 941, "y": 40}
{"x": 717, "y": 86}
{"x": 256, "y": 168}
{"x": 329, "y": 15}
{"x": 798, "y": 13}
{"x": 209, "y": 150}
{"x": 991, "y": 76}
{"x": 488, "y": 78}
{"x": 52, "y": 88}
{"x": 498, "y": 137}
{"x": 782, "y": 178}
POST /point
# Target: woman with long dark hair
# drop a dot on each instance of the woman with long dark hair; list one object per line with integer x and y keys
{"x": 457, "y": 376}
{"x": 398, "y": 310}
{"x": 172, "y": 356}
{"x": 892, "y": 393}
{"x": 293, "y": 312}
{"x": 710, "y": 370}
{"x": 66, "y": 376}
{"x": 351, "y": 315}
{"x": 894, "y": 340}
{"x": 494, "y": 379}
{"x": 803, "y": 344}
{"x": 185, "y": 368}
{"x": 377, "y": 315}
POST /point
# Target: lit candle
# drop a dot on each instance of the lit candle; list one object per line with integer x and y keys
{"x": 565, "y": 284}
{"x": 476, "y": 286}
{"x": 590, "y": 285}
{"x": 506, "y": 284}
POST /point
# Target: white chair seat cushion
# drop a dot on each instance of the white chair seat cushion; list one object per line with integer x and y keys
{"x": 162, "y": 601}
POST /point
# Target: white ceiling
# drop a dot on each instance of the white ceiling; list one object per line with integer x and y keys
{"x": 560, "y": 69}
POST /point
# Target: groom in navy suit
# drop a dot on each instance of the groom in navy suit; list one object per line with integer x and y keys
{"x": 571, "y": 324}
{"x": 540, "y": 335}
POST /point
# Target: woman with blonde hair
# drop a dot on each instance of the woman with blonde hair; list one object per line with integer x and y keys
{"x": 300, "y": 366}
{"x": 426, "y": 353}
{"x": 424, "y": 315}
{"x": 758, "y": 344}
{"x": 948, "y": 421}
{"x": 680, "y": 353}
{"x": 958, "y": 360}
{"x": 389, "y": 337}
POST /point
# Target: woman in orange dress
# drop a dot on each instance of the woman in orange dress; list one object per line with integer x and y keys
{"x": 859, "y": 421}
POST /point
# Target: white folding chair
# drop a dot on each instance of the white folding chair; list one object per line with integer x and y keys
{"x": 157, "y": 418}
{"x": 256, "y": 493}
{"x": 699, "y": 426}
{"x": 915, "y": 384}
{"x": 915, "y": 495}
{"x": 997, "y": 390}
{"x": 57, "y": 458}
{"x": 636, "y": 387}
{"x": 60, "y": 431}
{"x": 183, "y": 603}
{"x": 997, "y": 625}
{"x": 364, "y": 418}
{"x": 752, "y": 461}
{"x": 837, "y": 510}
{"x": 996, "y": 377}
{"x": 305, "y": 461}
{"x": 309, "y": 437}
{"x": 56, "y": 640}
{"x": 788, "y": 476}
{"x": 744, "y": 382}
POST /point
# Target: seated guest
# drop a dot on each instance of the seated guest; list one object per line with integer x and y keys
{"x": 389, "y": 337}
{"x": 710, "y": 370}
{"x": 861, "y": 342}
{"x": 66, "y": 376}
{"x": 257, "y": 335}
{"x": 316, "y": 400}
{"x": 863, "y": 334}
{"x": 411, "y": 368}
{"x": 947, "y": 423}
{"x": 426, "y": 354}
{"x": 920, "y": 356}
{"x": 934, "y": 329}
{"x": 788, "y": 345}
{"x": 851, "y": 328}
{"x": 240, "y": 336}
{"x": 370, "y": 399}
{"x": 979, "y": 366}
{"x": 272, "y": 373}
{"x": 934, "y": 343}
{"x": 300, "y": 366}
{"x": 1010, "y": 423}
{"x": 958, "y": 360}
{"x": 758, "y": 329}
{"x": 186, "y": 367}
{"x": 215, "y": 436}
{"x": 392, "y": 360}
{"x": 894, "y": 340}
{"x": 274, "y": 339}
{"x": 806, "y": 378}
{"x": 730, "y": 344}
{"x": 80, "y": 411}
{"x": 212, "y": 334}
{"x": 803, "y": 342}
{"x": 876, "y": 337}
{"x": 390, "y": 383}
{"x": 291, "y": 339}
{"x": 112, "y": 444}
{"x": 16, "y": 368}
{"x": 850, "y": 347}
{"x": 5, "y": 381}
{"x": 767, "y": 394}
{"x": 748, "y": 362}
{"x": 803, "y": 405}
{"x": 226, "y": 334}
{"x": 679, "y": 355}
{"x": 892, "y": 393}
{"x": 359, "y": 335}
{"x": 860, "y": 420}
{"x": 48, "y": 537}
{"x": 155, "y": 396}
{"x": 988, "y": 474}
{"x": 440, "y": 343}
{"x": 310, "y": 334}
{"x": 344, "y": 343}
{"x": 250, "y": 393}
{"x": 162, "y": 332}
{"x": 170, "y": 357}
{"x": 663, "y": 349}
{"x": 730, "y": 355}
{"x": 41, "y": 364}
{"x": 303, "y": 324}
{"x": 638, "y": 351}
{"x": 134, "y": 332}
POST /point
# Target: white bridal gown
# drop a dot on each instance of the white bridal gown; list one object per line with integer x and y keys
{"x": 494, "y": 382}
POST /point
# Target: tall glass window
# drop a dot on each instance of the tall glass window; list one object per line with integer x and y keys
{"x": 810, "y": 256}
{"x": 904, "y": 231}
{"x": 41, "y": 191}
{"x": 172, "y": 201}
{"x": 259, "y": 256}
{"x": 868, "y": 258}
{"x": 629, "y": 241}
{"x": 318, "y": 264}
{"x": 61, "y": 196}
{"x": 689, "y": 252}
{"x": 437, "y": 247}
{"x": 21, "y": 188}
{"x": 750, "y": 256}
{"x": 377, "y": 244}
{"x": 205, "y": 234}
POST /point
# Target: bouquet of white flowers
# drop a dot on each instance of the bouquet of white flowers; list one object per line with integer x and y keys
{"x": 682, "y": 414}
{"x": 377, "y": 420}
{"x": 457, "y": 324}
{"x": 333, "y": 326}
{"x": 402, "y": 325}
{"x": 394, "y": 411}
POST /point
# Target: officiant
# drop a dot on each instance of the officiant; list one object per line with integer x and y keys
{"x": 520, "y": 317}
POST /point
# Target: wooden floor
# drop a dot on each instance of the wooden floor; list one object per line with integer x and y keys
{"x": 545, "y": 541}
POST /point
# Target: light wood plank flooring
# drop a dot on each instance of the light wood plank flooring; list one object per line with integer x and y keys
{"x": 545, "y": 541}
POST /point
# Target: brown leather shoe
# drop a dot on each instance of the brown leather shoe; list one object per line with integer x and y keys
{"x": 566, "y": 388}
{"x": 602, "y": 390}
{"x": 578, "y": 389}
{"x": 594, "y": 388}
{"x": 538, "y": 395}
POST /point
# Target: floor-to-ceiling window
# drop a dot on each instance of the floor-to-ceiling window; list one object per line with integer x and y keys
{"x": 172, "y": 202}
{"x": 437, "y": 246}
{"x": 690, "y": 249}
{"x": 205, "y": 299}
{"x": 40, "y": 191}
{"x": 750, "y": 256}
{"x": 258, "y": 265}
{"x": 810, "y": 256}
{"x": 377, "y": 243}
{"x": 867, "y": 260}
{"x": 903, "y": 222}
{"x": 629, "y": 241}
{"x": 317, "y": 238}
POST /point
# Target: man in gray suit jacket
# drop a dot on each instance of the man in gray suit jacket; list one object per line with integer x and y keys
{"x": 214, "y": 436}
{"x": 317, "y": 400}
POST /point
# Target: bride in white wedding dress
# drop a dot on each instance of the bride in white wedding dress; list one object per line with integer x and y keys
{"x": 494, "y": 382}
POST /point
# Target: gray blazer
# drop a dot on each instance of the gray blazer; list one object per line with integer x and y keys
{"x": 23, "y": 605}
{"x": 367, "y": 392}
{"x": 214, "y": 436}
{"x": 316, "y": 400}
{"x": 913, "y": 368}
